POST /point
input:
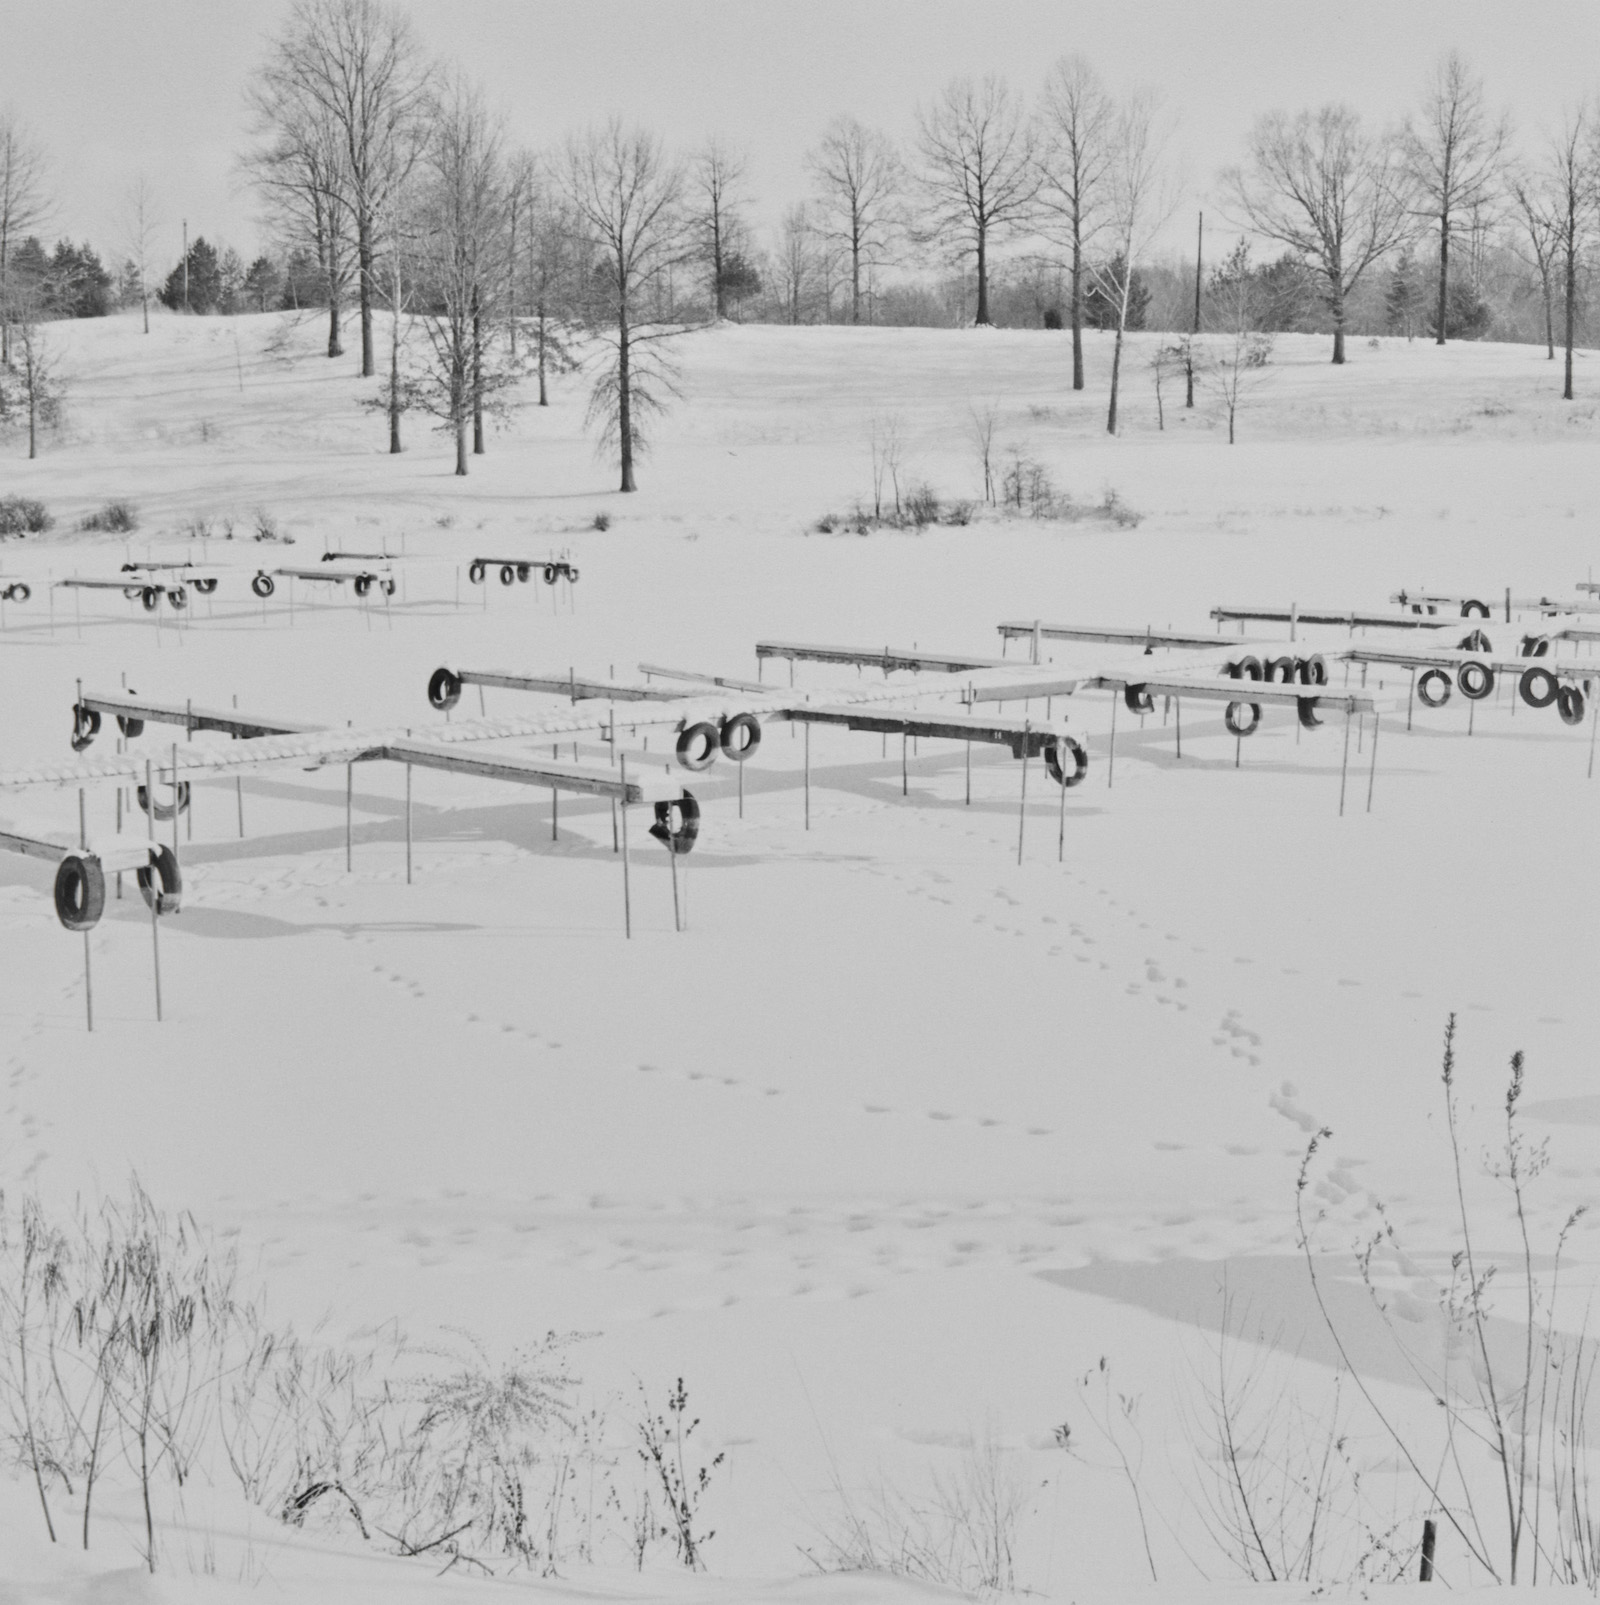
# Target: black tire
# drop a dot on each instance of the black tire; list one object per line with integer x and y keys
{"x": 1247, "y": 668}
{"x": 524, "y": 572}
{"x": 1057, "y": 770}
{"x": 18, "y": 592}
{"x": 572, "y": 575}
{"x": 1474, "y": 609}
{"x": 1476, "y": 641}
{"x": 129, "y": 726}
{"x": 1475, "y": 680}
{"x": 85, "y": 726}
{"x": 178, "y": 597}
{"x": 476, "y": 572}
{"x": 80, "y": 892}
{"x": 205, "y": 587}
{"x": 363, "y": 584}
{"x": 151, "y": 598}
{"x": 551, "y": 572}
{"x": 387, "y": 587}
{"x": 165, "y": 811}
{"x": 1537, "y": 687}
{"x": 1279, "y": 669}
{"x": 1312, "y": 670}
{"x": 508, "y": 574}
{"x": 262, "y": 585}
{"x": 1232, "y": 717}
{"x": 1137, "y": 699}
{"x": 679, "y": 838}
{"x": 168, "y": 898}
{"x": 1569, "y": 704}
{"x": 698, "y": 746}
{"x": 1433, "y": 677}
{"x": 739, "y": 737}
{"x": 444, "y": 689}
{"x": 1535, "y": 646}
{"x": 1306, "y": 707}
{"x": 131, "y": 592}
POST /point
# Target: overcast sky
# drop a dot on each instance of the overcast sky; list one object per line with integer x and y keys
{"x": 118, "y": 88}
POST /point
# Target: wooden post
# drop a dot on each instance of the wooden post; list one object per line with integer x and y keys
{"x": 1411, "y": 696}
{"x": 155, "y": 885}
{"x": 1372, "y": 772}
{"x": 740, "y": 768}
{"x": 969, "y": 771}
{"x": 807, "y": 771}
{"x": 1429, "y": 1530}
{"x": 1022, "y": 806}
{"x": 349, "y": 816}
{"x": 1035, "y": 641}
{"x": 1344, "y": 764}
{"x": 1177, "y": 720}
{"x": 1061, "y": 828}
{"x": 1111, "y": 750}
{"x": 672, "y": 854}
{"x": 905, "y": 742}
{"x": 408, "y": 824}
{"x": 627, "y": 898}
{"x": 1294, "y": 618}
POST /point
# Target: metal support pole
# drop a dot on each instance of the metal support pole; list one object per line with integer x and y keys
{"x": 408, "y": 824}
{"x": 1177, "y": 721}
{"x": 1594, "y": 723}
{"x": 808, "y": 774}
{"x": 1344, "y": 763}
{"x": 969, "y": 771}
{"x": 1411, "y": 696}
{"x": 175, "y": 795}
{"x": 88, "y": 984}
{"x": 672, "y": 854}
{"x": 1111, "y": 750}
{"x": 1061, "y": 825}
{"x": 627, "y": 895}
{"x": 905, "y": 782}
{"x": 1372, "y": 772}
{"x": 1022, "y": 806}
{"x": 349, "y": 816}
{"x": 155, "y": 885}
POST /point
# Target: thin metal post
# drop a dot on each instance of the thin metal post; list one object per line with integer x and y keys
{"x": 1344, "y": 763}
{"x": 1593, "y": 724}
{"x": 672, "y": 853}
{"x": 408, "y": 824}
{"x": 1111, "y": 750}
{"x": 1061, "y": 828}
{"x": 969, "y": 773}
{"x": 88, "y": 984}
{"x": 627, "y": 896}
{"x": 740, "y": 768}
{"x": 349, "y": 816}
{"x": 1372, "y": 772}
{"x": 807, "y": 725}
{"x": 1022, "y": 806}
{"x": 155, "y": 885}
{"x": 1177, "y": 720}
{"x": 905, "y": 742}
{"x": 176, "y": 794}
{"x": 1411, "y": 696}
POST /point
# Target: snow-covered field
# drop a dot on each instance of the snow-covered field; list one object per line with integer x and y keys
{"x": 900, "y": 1138}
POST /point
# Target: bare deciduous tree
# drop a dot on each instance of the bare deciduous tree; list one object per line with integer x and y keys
{"x": 138, "y": 229}
{"x": 1453, "y": 157}
{"x": 628, "y": 194}
{"x": 1138, "y": 203}
{"x": 462, "y": 238}
{"x": 23, "y": 204}
{"x": 716, "y": 191}
{"x": 554, "y": 252}
{"x": 861, "y": 184}
{"x": 795, "y": 268}
{"x": 1570, "y": 188}
{"x": 358, "y": 64}
{"x": 1077, "y": 121}
{"x": 1537, "y": 225}
{"x": 1319, "y": 184}
{"x": 979, "y": 178}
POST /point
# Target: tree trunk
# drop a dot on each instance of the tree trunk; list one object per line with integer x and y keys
{"x": 1194, "y": 333}
{"x": 461, "y": 440}
{"x": 718, "y": 290}
{"x": 544, "y": 395}
{"x": 625, "y": 404}
{"x": 1337, "y": 308}
{"x": 477, "y": 380}
{"x": 364, "y": 290}
{"x": 144, "y": 302}
{"x": 1077, "y": 310}
{"x": 1444, "y": 275}
{"x": 335, "y": 346}
{"x": 855, "y": 272}
{"x": 1549, "y": 318}
{"x": 983, "y": 278}
{"x": 1572, "y": 304}
{"x": 394, "y": 383}
{"x": 1116, "y": 372}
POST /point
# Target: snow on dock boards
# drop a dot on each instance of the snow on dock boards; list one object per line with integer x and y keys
{"x": 887, "y": 658}
{"x": 1112, "y": 636}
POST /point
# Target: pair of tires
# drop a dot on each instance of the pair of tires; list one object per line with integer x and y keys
{"x": 677, "y": 825}
{"x": 80, "y": 888}
{"x": 1539, "y": 688}
{"x": 149, "y": 596}
{"x": 16, "y": 593}
{"x": 166, "y": 811}
{"x": 737, "y": 737}
{"x": 365, "y": 582}
{"x": 85, "y": 726}
{"x": 1473, "y": 680}
{"x": 1288, "y": 670}
{"x": 510, "y": 573}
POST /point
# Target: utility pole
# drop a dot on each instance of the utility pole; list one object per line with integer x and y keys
{"x": 186, "y": 264}
{"x": 1194, "y": 334}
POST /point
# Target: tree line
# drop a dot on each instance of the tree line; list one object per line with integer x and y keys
{"x": 390, "y": 186}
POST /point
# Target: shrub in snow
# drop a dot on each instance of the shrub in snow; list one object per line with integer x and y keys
{"x": 115, "y": 518}
{"x": 21, "y": 515}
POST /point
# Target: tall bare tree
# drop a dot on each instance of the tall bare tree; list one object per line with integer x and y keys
{"x": 138, "y": 232}
{"x": 628, "y": 195}
{"x": 461, "y": 246}
{"x": 1077, "y": 121}
{"x": 358, "y": 63}
{"x": 1138, "y": 203}
{"x": 1571, "y": 201}
{"x": 23, "y": 206}
{"x": 1319, "y": 184}
{"x": 1453, "y": 153}
{"x": 979, "y": 177}
{"x": 794, "y": 264}
{"x": 555, "y": 248}
{"x": 1537, "y": 225}
{"x": 298, "y": 166}
{"x": 861, "y": 184}
{"x": 716, "y": 197}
